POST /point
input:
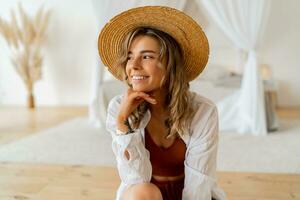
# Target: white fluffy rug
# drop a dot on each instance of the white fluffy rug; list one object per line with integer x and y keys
{"x": 72, "y": 142}
{"x": 78, "y": 142}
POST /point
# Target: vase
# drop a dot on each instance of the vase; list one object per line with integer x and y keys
{"x": 30, "y": 101}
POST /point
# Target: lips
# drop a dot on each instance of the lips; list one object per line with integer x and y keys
{"x": 139, "y": 77}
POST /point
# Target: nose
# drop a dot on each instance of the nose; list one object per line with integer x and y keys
{"x": 135, "y": 63}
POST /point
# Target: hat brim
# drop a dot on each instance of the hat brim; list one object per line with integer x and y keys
{"x": 180, "y": 26}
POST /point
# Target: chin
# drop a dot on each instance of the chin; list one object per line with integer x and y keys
{"x": 141, "y": 89}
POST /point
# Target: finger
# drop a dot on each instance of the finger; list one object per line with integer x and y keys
{"x": 139, "y": 95}
{"x": 143, "y": 96}
{"x": 148, "y": 98}
{"x": 151, "y": 100}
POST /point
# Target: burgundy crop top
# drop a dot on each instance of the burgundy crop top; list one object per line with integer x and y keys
{"x": 169, "y": 161}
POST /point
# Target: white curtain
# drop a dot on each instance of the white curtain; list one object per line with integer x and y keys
{"x": 105, "y": 10}
{"x": 243, "y": 21}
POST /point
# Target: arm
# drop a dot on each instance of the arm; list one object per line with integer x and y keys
{"x": 200, "y": 162}
{"x": 137, "y": 168}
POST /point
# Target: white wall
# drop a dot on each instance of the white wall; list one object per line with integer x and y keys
{"x": 281, "y": 47}
{"x": 70, "y": 52}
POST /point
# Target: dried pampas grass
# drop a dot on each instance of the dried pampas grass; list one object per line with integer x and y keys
{"x": 25, "y": 36}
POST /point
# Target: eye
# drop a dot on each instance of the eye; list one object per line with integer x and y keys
{"x": 147, "y": 57}
{"x": 129, "y": 58}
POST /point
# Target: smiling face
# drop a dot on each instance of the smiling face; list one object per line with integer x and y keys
{"x": 144, "y": 69}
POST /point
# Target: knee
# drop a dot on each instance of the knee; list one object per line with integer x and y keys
{"x": 142, "y": 191}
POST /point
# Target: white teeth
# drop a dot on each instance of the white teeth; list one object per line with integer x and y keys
{"x": 138, "y": 77}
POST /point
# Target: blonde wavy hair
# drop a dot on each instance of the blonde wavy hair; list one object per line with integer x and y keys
{"x": 177, "y": 86}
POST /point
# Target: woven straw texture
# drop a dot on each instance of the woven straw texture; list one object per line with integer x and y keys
{"x": 180, "y": 26}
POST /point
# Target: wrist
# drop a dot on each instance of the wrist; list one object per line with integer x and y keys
{"x": 121, "y": 125}
{"x": 121, "y": 118}
{"x": 124, "y": 126}
{"x": 128, "y": 125}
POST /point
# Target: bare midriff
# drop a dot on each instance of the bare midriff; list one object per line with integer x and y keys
{"x": 168, "y": 178}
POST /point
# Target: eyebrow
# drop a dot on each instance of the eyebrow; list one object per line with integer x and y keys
{"x": 144, "y": 51}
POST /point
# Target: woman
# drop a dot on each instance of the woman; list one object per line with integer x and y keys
{"x": 165, "y": 137}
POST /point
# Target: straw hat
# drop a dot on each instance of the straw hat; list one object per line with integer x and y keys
{"x": 180, "y": 26}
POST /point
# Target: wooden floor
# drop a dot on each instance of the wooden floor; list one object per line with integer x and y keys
{"x": 53, "y": 182}
{"x": 21, "y": 181}
{"x": 18, "y": 122}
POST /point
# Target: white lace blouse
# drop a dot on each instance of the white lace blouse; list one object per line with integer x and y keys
{"x": 200, "y": 160}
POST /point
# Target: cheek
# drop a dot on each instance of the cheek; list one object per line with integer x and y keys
{"x": 159, "y": 76}
{"x": 160, "y": 71}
